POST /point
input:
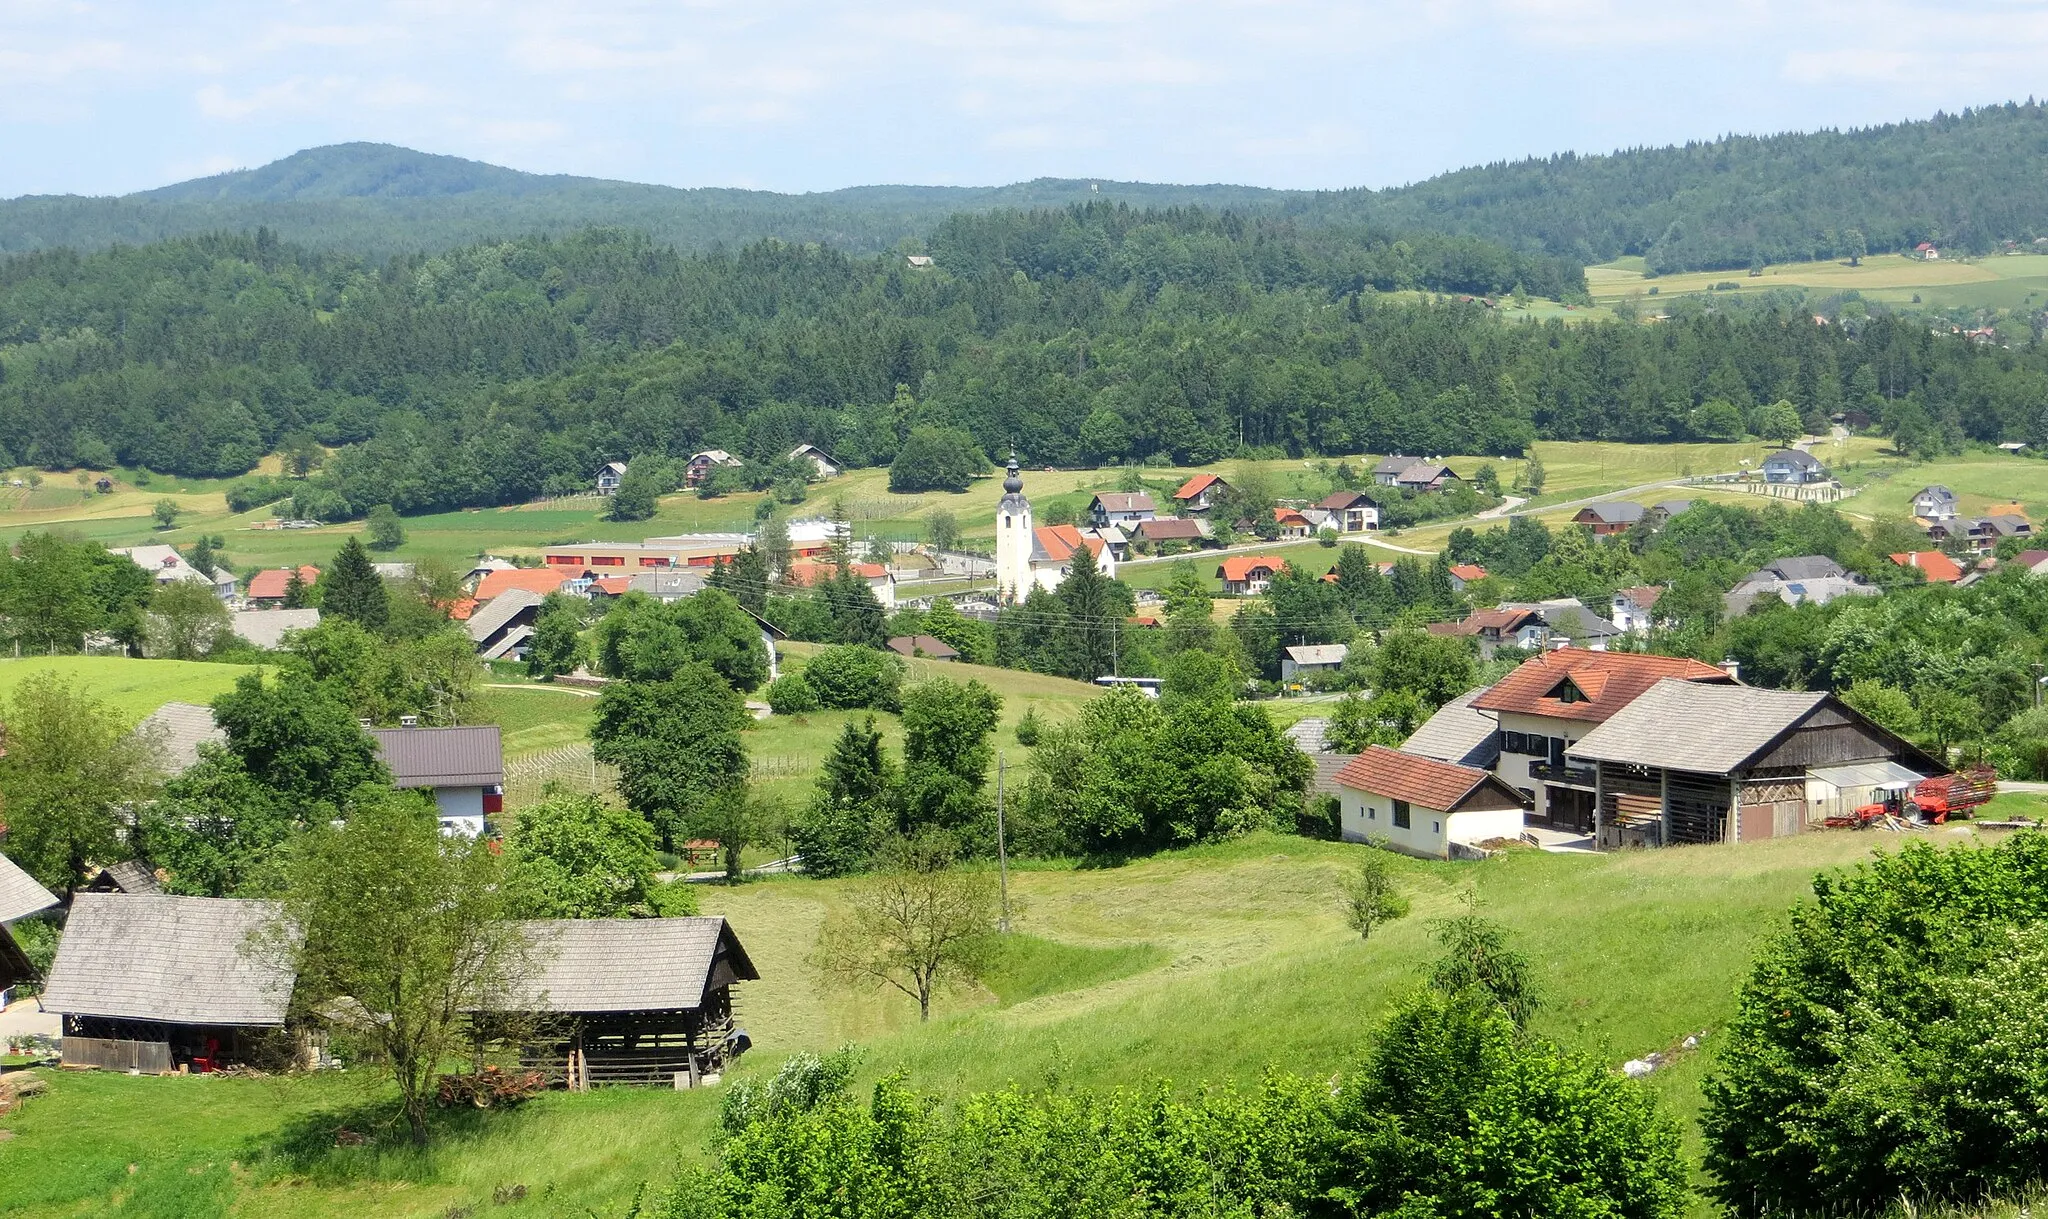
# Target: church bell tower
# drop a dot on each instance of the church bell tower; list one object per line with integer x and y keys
{"x": 1013, "y": 538}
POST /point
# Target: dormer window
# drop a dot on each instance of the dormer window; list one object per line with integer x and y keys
{"x": 1566, "y": 692}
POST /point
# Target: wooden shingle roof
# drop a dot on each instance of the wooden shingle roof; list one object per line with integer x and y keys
{"x": 1709, "y": 730}
{"x": 20, "y": 895}
{"x": 178, "y": 960}
{"x": 628, "y": 965}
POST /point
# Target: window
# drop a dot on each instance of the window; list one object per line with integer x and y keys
{"x": 1401, "y": 821}
{"x": 1557, "y": 744}
{"x": 1436, "y": 827}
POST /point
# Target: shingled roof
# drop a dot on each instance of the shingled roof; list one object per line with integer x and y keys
{"x": 1709, "y": 730}
{"x": 20, "y": 895}
{"x": 1586, "y": 686}
{"x": 1424, "y": 782}
{"x": 180, "y": 729}
{"x": 628, "y": 965}
{"x": 177, "y": 960}
{"x": 1457, "y": 733}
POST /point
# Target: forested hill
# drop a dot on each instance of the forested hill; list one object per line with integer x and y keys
{"x": 1970, "y": 181}
{"x": 377, "y": 200}
{"x": 497, "y": 372}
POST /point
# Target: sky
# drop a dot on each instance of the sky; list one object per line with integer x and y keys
{"x": 122, "y": 95}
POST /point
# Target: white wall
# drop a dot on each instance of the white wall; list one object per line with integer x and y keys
{"x": 1484, "y": 825}
{"x": 1013, "y": 554}
{"x": 1513, "y": 768}
{"x": 1364, "y": 817}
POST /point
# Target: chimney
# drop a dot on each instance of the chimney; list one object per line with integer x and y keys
{"x": 408, "y": 721}
{"x": 1732, "y": 667}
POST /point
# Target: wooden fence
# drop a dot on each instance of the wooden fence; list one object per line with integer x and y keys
{"x": 148, "y": 1057}
{"x": 571, "y": 766}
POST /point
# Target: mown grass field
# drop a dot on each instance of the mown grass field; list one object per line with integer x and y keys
{"x": 134, "y": 688}
{"x": 2006, "y": 281}
{"x": 1206, "y": 965}
{"x": 1980, "y": 480}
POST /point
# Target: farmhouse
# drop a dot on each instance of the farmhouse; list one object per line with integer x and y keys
{"x": 1551, "y": 702}
{"x": 269, "y": 588}
{"x": 151, "y": 982}
{"x": 1426, "y": 476}
{"x": 703, "y": 465}
{"x": 1691, "y": 762}
{"x": 1293, "y": 526}
{"x": 1458, "y": 733}
{"x": 1167, "y": 530}
{"x": 609, "y": 476}
{"x": 1388, "y": 472}
{"x": 167, "y": 566}
{"x": 1934, "y": 503}
{"x": 1568, "y": 622}
{"x": 1986, "y": 532}
{"x": 1249, "y": 575}
{"x": 631, "y": 1001}
{"x": 824, "y": 465}
{"x": 1421, "y": 806}
{"x": 1794, "y": 467}
{"x": 1351, "y": 511}
{"x": 1611, "y": 517}
{"x": 1302, "y": 659}
{"x": 463, "y": 769}
{"x": 1200, "y": 493}
{"x": 1120, "y": 508}
{"x": 1927, "y": 250}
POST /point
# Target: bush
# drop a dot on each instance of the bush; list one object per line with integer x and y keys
{"x": 936, "y": 459}
{"x": 1880, "y": 1047}
{"x": 850, "y": 676}
{"x": 791, "y": 694}
{"x": 1028, "y": 727}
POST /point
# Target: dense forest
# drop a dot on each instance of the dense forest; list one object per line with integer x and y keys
{"x": 1096, "y": 334}
{"x": 1970, "y": 181}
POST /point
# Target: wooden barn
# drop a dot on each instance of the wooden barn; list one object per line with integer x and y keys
{"x": 632, "y": 1001}
{"x": 150, "y": 982}
{"x": 1693, "y": 762}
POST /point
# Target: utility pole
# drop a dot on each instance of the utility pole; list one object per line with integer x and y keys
{"x": 1002, "y": 852}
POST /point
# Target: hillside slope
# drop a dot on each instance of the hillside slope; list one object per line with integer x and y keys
{"x": 1971, "y": 181}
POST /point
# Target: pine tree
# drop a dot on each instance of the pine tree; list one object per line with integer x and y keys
{"x": 1095, "y": 617}
{"x": 353, "y": 589}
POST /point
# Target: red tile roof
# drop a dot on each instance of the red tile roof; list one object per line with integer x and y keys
{"x": 272, "y": 582}
{"x": 1405, "y": 776}
{"x": 1644, "y": 595}
{"x": 460, "y": 611}
{"x": 1468, "y": 571}
{"x": 1289, "y": 516}
{"x": 614, "y": 586}
{"x": 1939, "y": 567}
{"x": 1607, "y": 682}
{"x": 1059, "y": 542}
{"x": 1239, "y": 567}
{"x": 1505, "y": 620}
{"x": 1196, "y": 485}
{"x": 542, "y": 580}
{"x": 805, "y": 574}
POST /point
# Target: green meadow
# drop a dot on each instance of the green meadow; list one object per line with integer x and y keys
{"x": 1999, "y": 281}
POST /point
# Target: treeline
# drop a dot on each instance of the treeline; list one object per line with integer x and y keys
{"x": 1966, "y": 181}
{"x": 1097, "y": 335}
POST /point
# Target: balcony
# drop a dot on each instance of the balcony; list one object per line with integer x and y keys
{"x": 1548, "y": 772}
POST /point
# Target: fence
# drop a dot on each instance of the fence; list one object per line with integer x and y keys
{"x": 148, "y": 1057}
{"x": 571, "y": 766}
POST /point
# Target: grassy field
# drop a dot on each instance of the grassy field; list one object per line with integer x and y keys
{"x": 1204, "y": 965}
{"x": 1998, "y": 282}
{"x": 133, "y": 687}
{"x": 1979, "y": 480}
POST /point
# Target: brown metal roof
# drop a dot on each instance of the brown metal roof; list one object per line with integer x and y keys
{"x": 1421, "y": 781}
{"x": 442, "y": 757}
{"x": 181, "y": 960}
{"x": 1600, "y": 683}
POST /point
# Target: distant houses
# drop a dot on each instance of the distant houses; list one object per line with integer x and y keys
{"x": 1934, "y": 503}
{"x": 1199, "y": 494}
{"x": 166, "y": 566}
{"x": 1414, "y": 474}
{"x": 1302, "y": 660}
{"x": 823, "y": 464}
{"x": 703, "y": 465}
{"x": 271, "y": 587}
{"x": 1249, "y": 575}
{"x": 1610, "y": 517}
{"x": 1350, "y": 511}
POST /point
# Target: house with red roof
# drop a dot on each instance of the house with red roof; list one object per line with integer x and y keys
{"x": 1294, "y": 527}
{"x": 1465, "y": 573}
{"x": 1936, "y": 566}
{"x": 267, "y": 588}
{"x": 540, "y": 580}
{"x": 1200, "y": 493}
{"x": 1635, "y": 608}
{"x": 1053, "y": 548}
{"x": 1249, "y": 575}
{"x": 807, "y": 573}
{"x": 1420, "y": 806}
{"x": 1549, "y": 702}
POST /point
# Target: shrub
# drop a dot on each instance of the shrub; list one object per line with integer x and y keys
{"x": 850, "y": 676}
{"x": 1028, "y": 727}
{"x": 791, "y": 694}
{"x": 936, "y": 459}
{"x": 1878, "y": 1050}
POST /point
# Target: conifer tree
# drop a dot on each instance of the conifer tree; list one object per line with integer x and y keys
{"x": 354, "y": 590}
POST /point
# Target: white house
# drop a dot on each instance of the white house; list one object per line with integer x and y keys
{"x": 169, "y": 567}
{"x": 1635, "y": 608}
{"x": 1249, "y": 575}
{"x": 1935, "y": 503}
{"x": 462, "y": 768}
{"x": 1420, "y": 806}
{"x": 826, "y": 467}
{"x": 1121, "y": 508}
{"x": 609, "y": 475}
{"x": 1794, "y": 466}
{"x": 1303, "y": 659}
